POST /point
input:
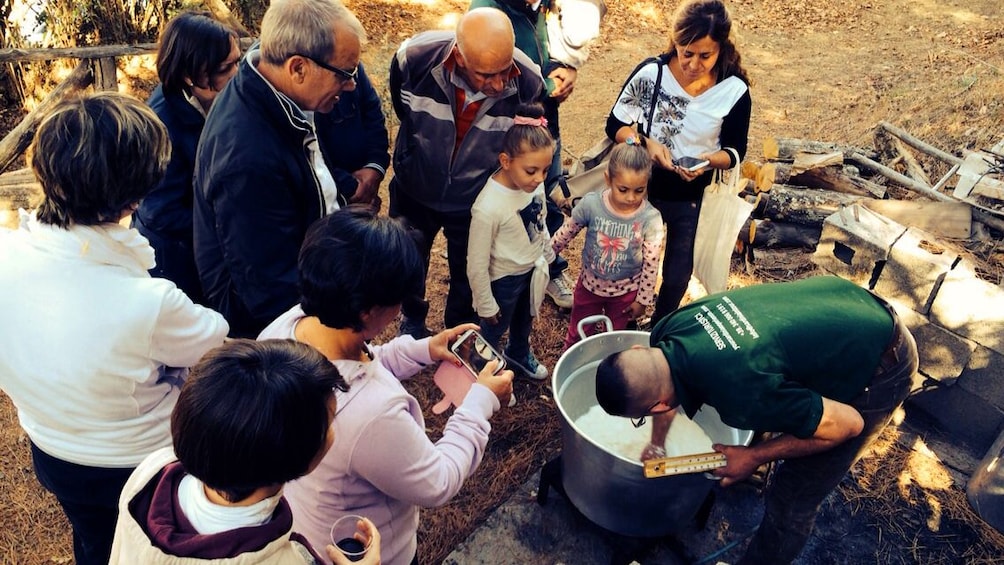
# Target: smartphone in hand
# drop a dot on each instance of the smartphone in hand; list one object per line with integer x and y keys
{"x": 475, "y": 353}
{"x": 691, "y": 164}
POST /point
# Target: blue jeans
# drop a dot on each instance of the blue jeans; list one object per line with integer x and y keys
{"x": 89, "y": 497}
{"x": 512, "y": 294}
{"x": 800, "y": 485}
{"x": 680, "y": 218}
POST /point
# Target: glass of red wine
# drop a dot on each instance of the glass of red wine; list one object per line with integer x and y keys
{"x": 349, "y": 538}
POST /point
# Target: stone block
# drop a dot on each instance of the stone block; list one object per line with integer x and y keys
{"x": 855, "y": 243}
{"x": 915, "y": 268}
{"x": 944, "y": 356}
{"x": 958, "y": 413}
{"x": 971, "y": 307}
{"x": 984, "y": 376}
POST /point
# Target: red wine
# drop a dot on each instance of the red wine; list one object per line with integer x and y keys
{"x": 350, "y": 546}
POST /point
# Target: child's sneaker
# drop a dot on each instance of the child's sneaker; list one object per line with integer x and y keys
{"x": 560, "y": 291}
{"x": 529, "y": 367}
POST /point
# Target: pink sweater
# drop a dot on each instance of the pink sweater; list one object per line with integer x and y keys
{"x": 383, "y": 465}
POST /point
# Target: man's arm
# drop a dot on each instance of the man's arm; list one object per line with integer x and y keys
{"x": 656, "y": 447}
{"x": 839, "y": 423}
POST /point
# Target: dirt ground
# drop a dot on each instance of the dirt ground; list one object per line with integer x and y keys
{"x": 820, "y": 70}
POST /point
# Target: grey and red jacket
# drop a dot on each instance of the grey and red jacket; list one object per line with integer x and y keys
{"x": 425, "y": 167}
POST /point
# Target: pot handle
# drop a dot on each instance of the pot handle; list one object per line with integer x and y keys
{"x": 594, "y": 319}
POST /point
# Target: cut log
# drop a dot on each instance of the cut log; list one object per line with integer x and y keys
{"x": 749, "y": 170}
{"x": 786, "y": 148}
{"x": 945, "y": 219}
{"x": 807, "y": 161}
{"x": 771, "y": 234}
{"x": 805, "y": 206}
{"x": 840, "y": 179}
{"x": 14, "y": 144}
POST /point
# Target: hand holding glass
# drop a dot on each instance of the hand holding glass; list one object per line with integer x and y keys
{"x": 353, "y": 536}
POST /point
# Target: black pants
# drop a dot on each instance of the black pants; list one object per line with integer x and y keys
{"x": 424, "y": 223}
{"x": 800, "y": 485}
{"x": 89, "y": 497}
{"x": 680, "y": 218}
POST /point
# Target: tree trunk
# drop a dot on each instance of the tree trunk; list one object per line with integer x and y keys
{"x": 805, "y": 206}
{"x": 768, "y": 233}
{"x": 785, "y": 148}
{"x": 830, "y": 178}
{"x": 12, "y": 146}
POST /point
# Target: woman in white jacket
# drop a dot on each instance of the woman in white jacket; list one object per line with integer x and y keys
{"x": 93, "y": 350}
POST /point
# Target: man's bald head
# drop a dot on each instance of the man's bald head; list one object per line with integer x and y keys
{"x": 485, "y": 45}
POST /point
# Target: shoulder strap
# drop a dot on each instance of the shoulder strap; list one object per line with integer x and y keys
{"x": 660, "y": 61}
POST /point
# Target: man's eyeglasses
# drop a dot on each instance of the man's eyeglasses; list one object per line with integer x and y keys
{"x": 346, "y": 76}
{"x": 639, "y": 422}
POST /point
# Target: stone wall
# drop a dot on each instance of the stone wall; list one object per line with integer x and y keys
{"x": 956, "y": 317}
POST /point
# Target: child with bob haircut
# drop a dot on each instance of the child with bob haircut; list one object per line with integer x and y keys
{"x": 508, "y": 250}
{"x": 252, "y": 416}
{"x": 620, "y": 258}
{"x": 355, "y": 270}
{"x": 92, "y": 349}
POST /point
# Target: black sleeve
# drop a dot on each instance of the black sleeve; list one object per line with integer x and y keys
{"x": 736, "y": 126}
{"x": 374, "y": 124}
{"x": 613, "y": 124}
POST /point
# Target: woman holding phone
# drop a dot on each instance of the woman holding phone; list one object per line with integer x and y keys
{"x": 355, "y": 269}
{"x": 692, "y": 101}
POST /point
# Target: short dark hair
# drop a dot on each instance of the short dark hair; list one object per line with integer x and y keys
{"x": 192, "y": 46}
{"x": 521, "y": 138}
{"x": 95, "y": 155}
{"x": 353, "y": 260}
{"x": 253, "y": 414}
{"x": 612, "y": 390}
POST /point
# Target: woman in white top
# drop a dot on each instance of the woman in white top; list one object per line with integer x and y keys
{"x": 92, "y": 349}
{"x": 692, "y": 101}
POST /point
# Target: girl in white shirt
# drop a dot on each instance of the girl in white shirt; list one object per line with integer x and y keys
{"x": 509, "y": 247}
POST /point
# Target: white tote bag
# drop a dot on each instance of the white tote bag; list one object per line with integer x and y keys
{"x": 723, "y": 213}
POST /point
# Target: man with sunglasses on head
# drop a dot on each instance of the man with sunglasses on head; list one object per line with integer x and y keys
{"x": 820, "y": 362}
{"x": 261, "y": 177}
{"x": 456, "y": 94}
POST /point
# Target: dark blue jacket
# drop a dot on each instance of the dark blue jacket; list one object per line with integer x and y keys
{"x": 354, "y": 134}
{"x": 165, "y": 215}
{"x": 255, "y": 195}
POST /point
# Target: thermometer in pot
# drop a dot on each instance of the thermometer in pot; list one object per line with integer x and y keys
{"x": 683, "y": 464}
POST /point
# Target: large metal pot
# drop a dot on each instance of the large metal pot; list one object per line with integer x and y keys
{"x": 607, "y": 488}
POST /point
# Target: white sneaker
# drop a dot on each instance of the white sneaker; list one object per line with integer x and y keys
{"x": 560, "y": 291}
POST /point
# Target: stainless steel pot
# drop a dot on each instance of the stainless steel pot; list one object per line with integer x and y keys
{"x": 607, "y": 488}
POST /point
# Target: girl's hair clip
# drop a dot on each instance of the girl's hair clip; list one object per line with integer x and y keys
{"x": 527, "y": 121}
{"x": 639, "y": 141}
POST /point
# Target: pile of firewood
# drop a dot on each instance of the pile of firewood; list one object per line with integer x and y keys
{"x": 802, "y": 182}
